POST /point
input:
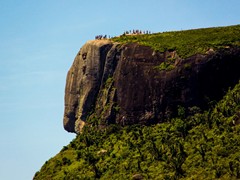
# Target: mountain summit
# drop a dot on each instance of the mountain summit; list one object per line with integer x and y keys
{"x": 143, "y": 79}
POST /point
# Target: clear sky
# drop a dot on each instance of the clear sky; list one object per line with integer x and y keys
{"x": 38, "y": 42}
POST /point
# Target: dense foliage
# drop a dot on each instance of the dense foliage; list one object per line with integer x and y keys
{"x": 203, "y": 145}
{"x": 189, "y": 42}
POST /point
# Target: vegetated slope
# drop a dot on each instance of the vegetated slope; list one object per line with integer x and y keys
{"x": 188, "y": 42}
{"x": 203, "y": 145}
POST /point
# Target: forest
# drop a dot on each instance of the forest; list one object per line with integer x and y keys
{"x": 200, "y": 145}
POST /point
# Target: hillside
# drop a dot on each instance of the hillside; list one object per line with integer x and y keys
{"x": 204, "y": 145}
{"x": 189, "y": 42}
{"x": 153, "y": 106}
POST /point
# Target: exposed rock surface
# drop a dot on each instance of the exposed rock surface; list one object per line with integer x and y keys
{"x": 83, "y": 82}
{"x": 121, "y": 83}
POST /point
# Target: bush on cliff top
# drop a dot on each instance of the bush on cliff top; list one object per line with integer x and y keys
{"x": 204, "y": 145}
{"x": 189, "y": 42}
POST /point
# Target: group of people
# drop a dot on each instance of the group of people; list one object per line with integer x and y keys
{"x": 131, "y": 32}
{"x": 99, "y": 37}
{"x": 136, "y": 32}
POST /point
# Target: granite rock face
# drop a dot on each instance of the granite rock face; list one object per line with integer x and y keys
{"x": 84, "y": 81}
{"x": 111, "y": 83}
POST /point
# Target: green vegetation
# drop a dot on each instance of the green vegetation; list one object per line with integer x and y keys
{"x": 189, "y": 42}
{"x": 203, "y": 145}
{"x": 167, "y": 65}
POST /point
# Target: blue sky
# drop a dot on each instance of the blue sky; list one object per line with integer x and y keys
{"x": 38, "y": 42}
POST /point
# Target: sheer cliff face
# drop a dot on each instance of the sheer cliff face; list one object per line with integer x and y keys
{"x": 84, "y": 81}
{"x": 113, "y": 83}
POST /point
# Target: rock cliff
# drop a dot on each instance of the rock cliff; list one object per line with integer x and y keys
{"x": 131, "y": 83}
{"x": 187, "y": 83}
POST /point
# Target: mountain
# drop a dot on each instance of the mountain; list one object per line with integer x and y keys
{"x": 153, "y": 106}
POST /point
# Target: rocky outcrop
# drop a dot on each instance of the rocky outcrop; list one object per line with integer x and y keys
{"x": 127, "y": 84}
{"x": 84, "y": 81}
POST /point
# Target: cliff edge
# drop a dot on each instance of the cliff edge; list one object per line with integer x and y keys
{"x": 130, "y": 83}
